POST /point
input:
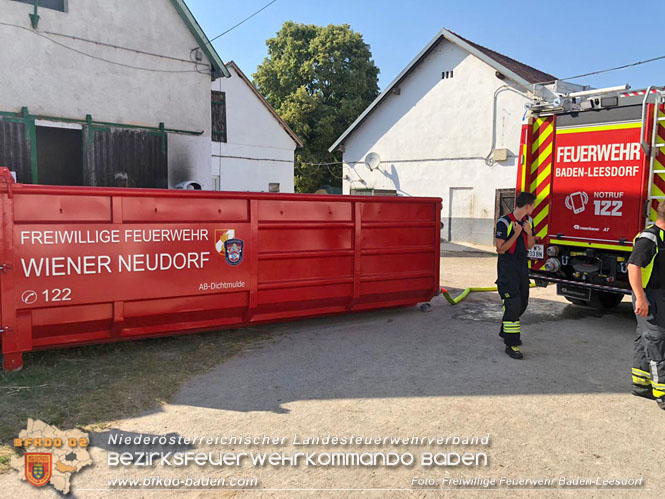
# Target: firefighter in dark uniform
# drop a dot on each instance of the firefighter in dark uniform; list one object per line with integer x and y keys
{"x": 646, "y": 272}
{"x": 514, "y": 237}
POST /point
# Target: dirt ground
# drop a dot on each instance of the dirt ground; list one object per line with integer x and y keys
{"x": 564, "y": 411}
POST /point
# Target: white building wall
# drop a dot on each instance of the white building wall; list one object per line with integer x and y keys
{"x": 258, "y": 150}
{"x": 435, "y": 135}
{"x": 54, "y": 81}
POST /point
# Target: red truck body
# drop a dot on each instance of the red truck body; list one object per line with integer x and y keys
{"x": 87, "y": 265}
{"x": 598, "y": 174}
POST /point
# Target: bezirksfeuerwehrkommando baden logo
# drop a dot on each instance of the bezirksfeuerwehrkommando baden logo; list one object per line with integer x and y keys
{"x": 227, "y": 245}
{"x": 51, "y": 456}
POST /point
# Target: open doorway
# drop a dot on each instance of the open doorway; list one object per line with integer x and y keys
{"x": 59, "y": 156}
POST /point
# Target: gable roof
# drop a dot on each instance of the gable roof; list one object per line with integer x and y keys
{"x": 530, "y": 74}
{"x": 522, "y": 74}
{"x": 283, "y": 124}
{"x": 218, "y": 67}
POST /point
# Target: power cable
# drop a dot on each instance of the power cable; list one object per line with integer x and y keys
{"x": 332, "y": 173}
{"x": 297, "y": 164}
{"x": 593, "y": 73}
{"x": 321, "y": 164}
{"x": 243, "y": 21}
{"x": 140, "y": 68}
{"x": 119, "y": 47}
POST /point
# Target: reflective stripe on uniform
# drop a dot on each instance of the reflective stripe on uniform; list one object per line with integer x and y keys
{"x": 647, "y": 271}
{"x": 648, "y": 235}
{"x": 641, "y": 377}
{"x": 509, "y": 226}
{"x": 654, "y": 371}
{"x": 643, "y": 374}
{"x": 511, "y": 326}
{"x": 657, "y": 385}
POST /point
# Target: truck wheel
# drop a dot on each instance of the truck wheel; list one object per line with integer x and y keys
{"x": 599, "y": 299}
{"x": 609, "y": 300}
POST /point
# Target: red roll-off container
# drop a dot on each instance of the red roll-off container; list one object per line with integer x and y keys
{"x": 88, "y": 265}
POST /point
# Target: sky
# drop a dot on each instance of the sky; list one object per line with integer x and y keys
{"x": 564, "y": 38}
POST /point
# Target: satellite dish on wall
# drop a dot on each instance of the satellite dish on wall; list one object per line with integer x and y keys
{"x": 372, "y": 161}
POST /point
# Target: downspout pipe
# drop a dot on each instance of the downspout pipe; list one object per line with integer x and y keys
{"x": 488, "y": 159}
{"x": 34, "y": 17}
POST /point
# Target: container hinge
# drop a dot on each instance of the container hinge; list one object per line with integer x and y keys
{"x": 4, "y": 329}
{"x": 5, "y": 266}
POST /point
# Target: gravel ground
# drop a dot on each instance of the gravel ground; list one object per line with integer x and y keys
{"x": 564, "y": 411}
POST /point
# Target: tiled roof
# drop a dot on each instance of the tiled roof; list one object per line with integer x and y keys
{"x": 527, "y": 72}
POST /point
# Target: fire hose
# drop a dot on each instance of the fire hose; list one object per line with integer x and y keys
{"x": 465, "y": 293}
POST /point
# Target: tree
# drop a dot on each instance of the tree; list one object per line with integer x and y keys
{"x": 319, "y": 79}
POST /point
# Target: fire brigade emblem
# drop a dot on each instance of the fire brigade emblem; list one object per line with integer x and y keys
{"x": 221, "y": 236}
{"x": 233, "y": 251}
{"x": 37, "y": 468}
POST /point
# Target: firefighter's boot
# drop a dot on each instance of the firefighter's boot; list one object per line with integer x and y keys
{"x": 640, "y": 391}
{"x": 514, "y": 352}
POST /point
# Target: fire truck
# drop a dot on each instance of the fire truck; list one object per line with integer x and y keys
{"x": 595, "y": 159}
